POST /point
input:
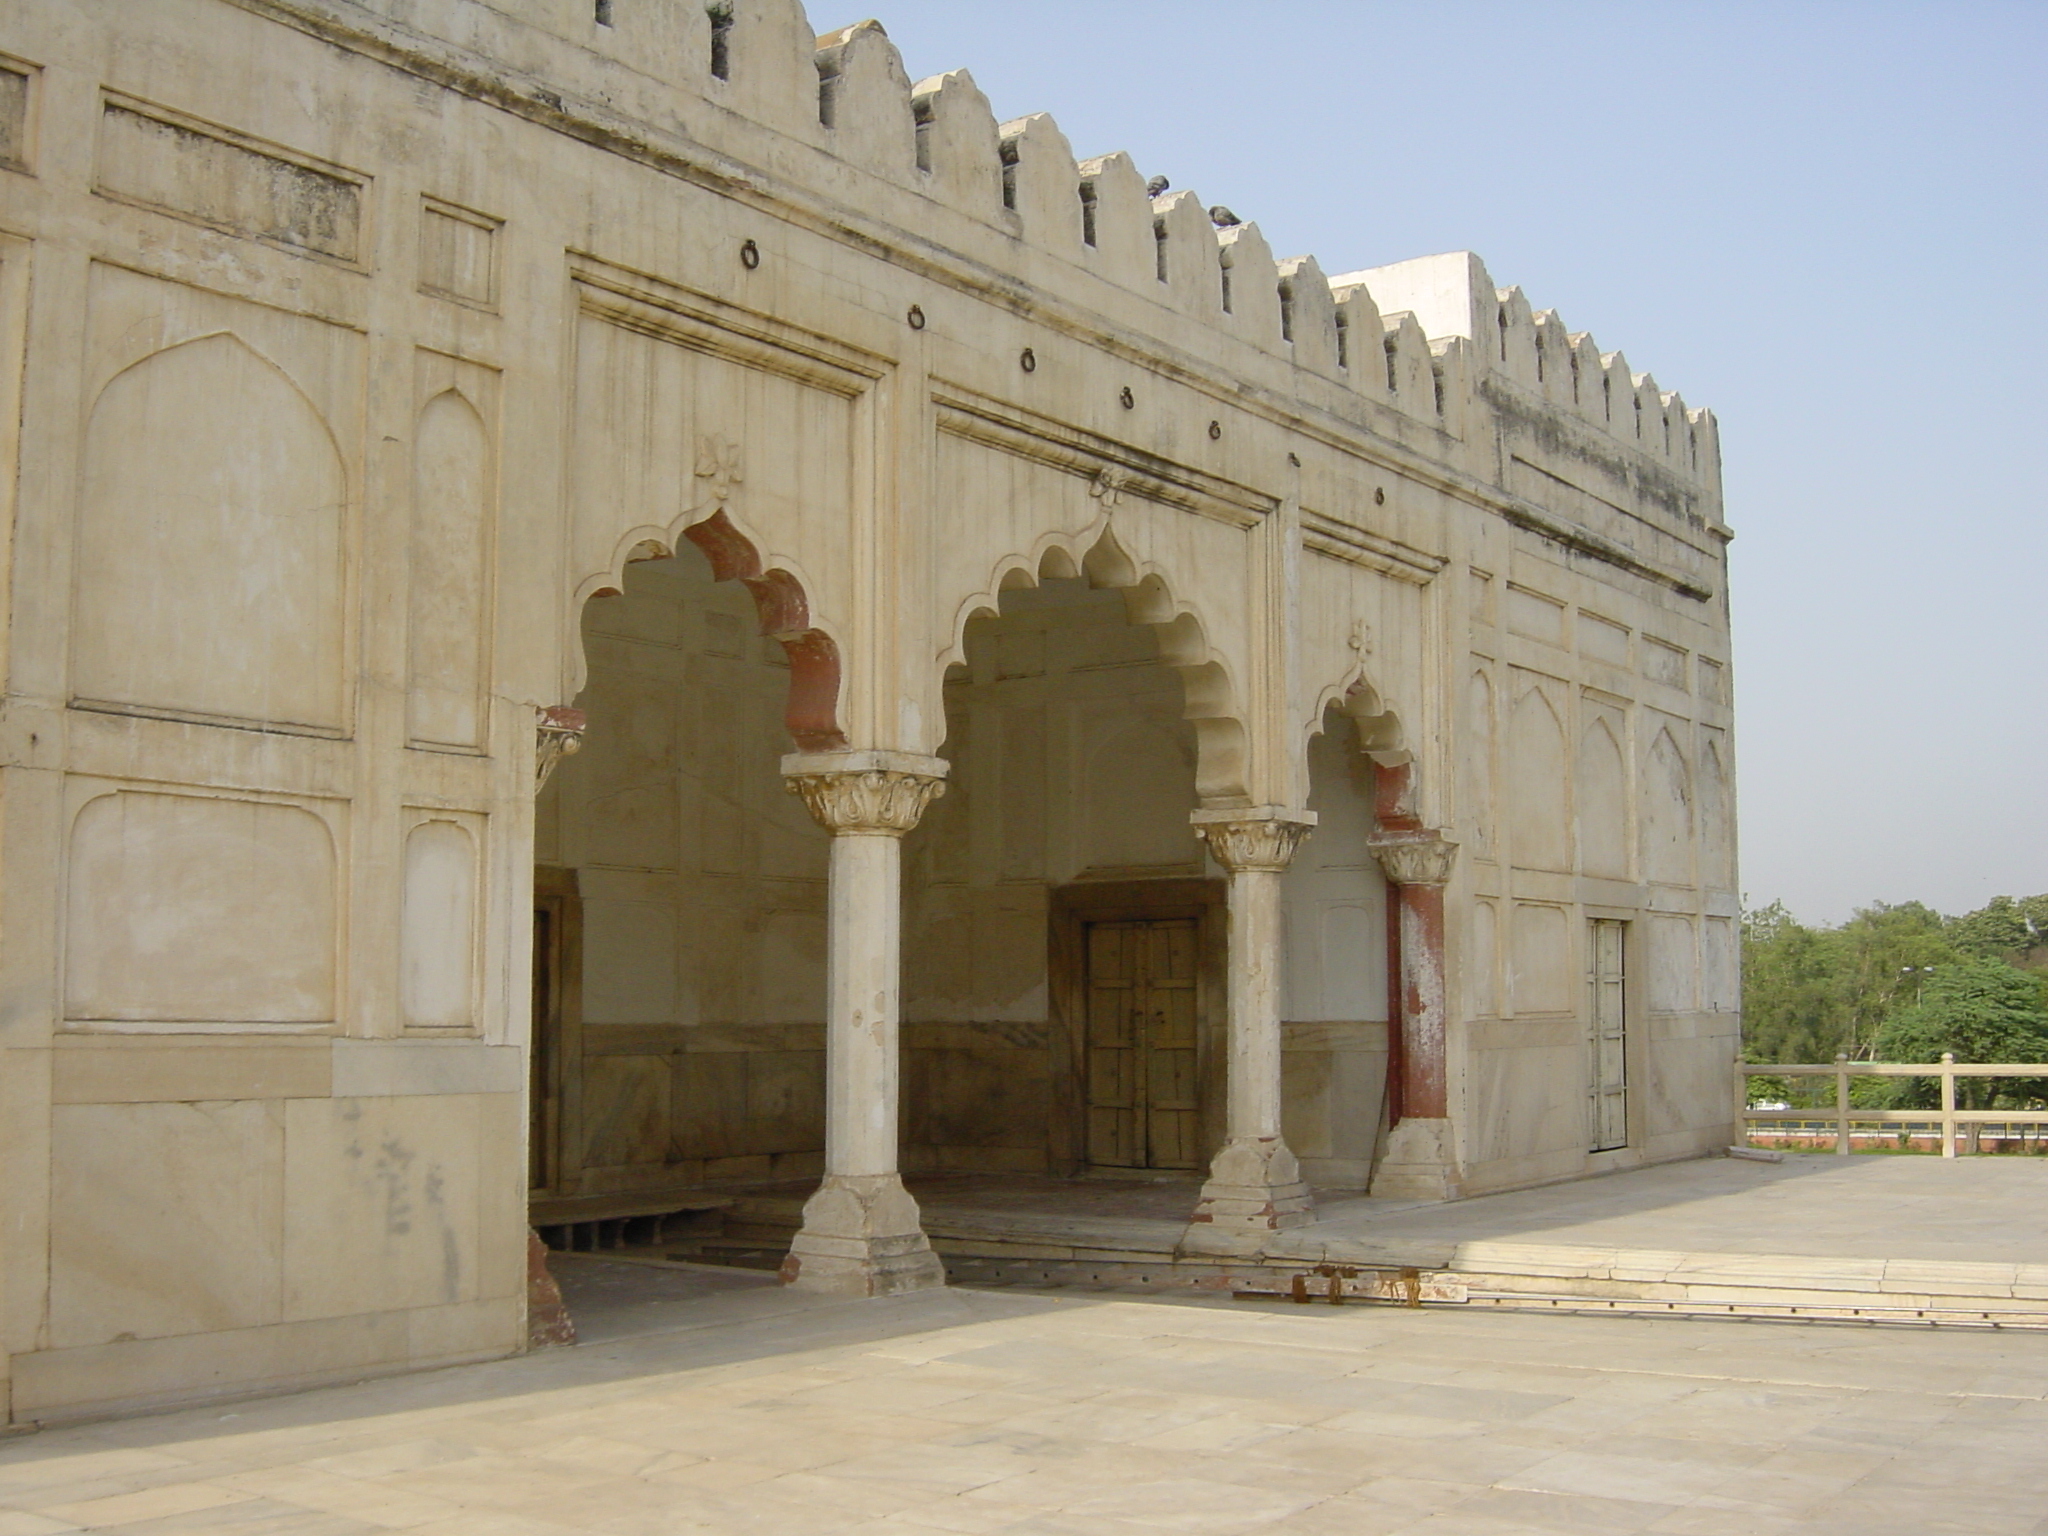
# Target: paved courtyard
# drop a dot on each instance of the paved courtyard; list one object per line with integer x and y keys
{"x": 705, "y": 1402}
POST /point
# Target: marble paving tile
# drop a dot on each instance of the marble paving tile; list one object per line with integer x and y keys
{"x": 1080, "y": 1415}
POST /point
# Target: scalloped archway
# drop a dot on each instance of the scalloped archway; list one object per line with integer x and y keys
{"x": 782, "y": 610}
{"x": 1210, "y": 695}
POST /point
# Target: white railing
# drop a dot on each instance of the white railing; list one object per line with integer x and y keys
{"x": 1845, "y": 1119}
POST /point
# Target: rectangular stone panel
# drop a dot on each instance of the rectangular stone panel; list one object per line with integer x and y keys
{"x": 625, "y": 1110}
{"x": 1663, "y": 663}
{"x": 198, "y": 910}
{"x": 1536, "y": 616}
{"x": 151, "y": 157}
{"x": 438, "y": 937}
{"x": 115, "y": 1071}
{"x": 164, "y": 1219}
{"x": 1545, "y": 961}
{"x": 14, "y": 85}
{"x": 1674, "y": 964}
{"x": 382, "y": 1201}
{"x": 1603, "y": 639}
{"x": 458, "y": 253}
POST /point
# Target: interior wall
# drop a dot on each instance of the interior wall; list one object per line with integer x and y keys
{"x": 1071, "y": 764}
{"x": 1334, "y": 982}
{"x": 699, "y": 1051}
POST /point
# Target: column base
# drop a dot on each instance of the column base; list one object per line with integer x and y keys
{"x": 861, "y": 1237}
{"x": 1419, "y": 1164}
{"x": 1254, "y": 1190}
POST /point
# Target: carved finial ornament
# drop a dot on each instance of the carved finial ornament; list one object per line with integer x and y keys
{"x": 884, "y": 802}
{"x": 718, "y": 461}
{"x": 1254, "y": 844}
{"x": 1108, "y": 486}
{"x": 560, "y": 730}
{"x": 1424, "y": 860}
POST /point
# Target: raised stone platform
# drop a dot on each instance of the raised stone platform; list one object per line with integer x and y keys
{"x": 1869, "y": 1236}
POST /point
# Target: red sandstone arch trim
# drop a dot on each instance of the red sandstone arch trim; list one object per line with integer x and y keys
{"x": 1209, "y": 693}
{"x": 1381, "y": 734}
{"x": 780, "y": 604}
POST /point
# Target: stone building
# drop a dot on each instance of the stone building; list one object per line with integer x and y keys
{"x": 1280, "y": 721}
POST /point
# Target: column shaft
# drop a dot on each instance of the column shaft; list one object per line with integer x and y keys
{"x": 1253, "y": 1102}
{"x": 1424, "y": 1090}
{"x": 861, "y": 1233}
{"x": 1420, "y": 1161}
{"x": 1254, "y": 1188}
{"x": 863, "y": 948}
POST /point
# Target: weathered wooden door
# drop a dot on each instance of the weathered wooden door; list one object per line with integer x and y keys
{"x": 556, "y": 1046}
{"x": 541, "y": 1090}
{"x": 1607, "y": 1036}
{"x": 1141, "y": 1067}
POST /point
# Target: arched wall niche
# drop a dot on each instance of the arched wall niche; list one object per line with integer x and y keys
{"x": 781, "y": 605}
{"x": 1717, "y": 829}
{"x": 1337, "y": 943}
{"x": 448, "y": 603}
{"x": 1212, "y": 705}
{"x": 1478, "y": 758}
{"x": 1668, "y": 812}
{"x": 1603, "y": 800}
{"x": 212, "y": 509}
{"x": 1535, "y": 766}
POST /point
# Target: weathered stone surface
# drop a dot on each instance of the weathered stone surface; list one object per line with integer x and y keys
{"x": 480, "y": 401}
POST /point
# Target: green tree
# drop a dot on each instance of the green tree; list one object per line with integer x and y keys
{"x": 1792, "y": 1003}
{"x": 1983, "y": 1011}
{"x": 2003, "y": 928}
{"x": 1808, "y": 993}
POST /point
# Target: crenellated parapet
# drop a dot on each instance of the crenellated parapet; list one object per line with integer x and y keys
{"x": 1425, "y": 338}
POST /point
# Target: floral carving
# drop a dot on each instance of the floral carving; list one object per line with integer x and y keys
{"x": 1424, "y": 860}
{"x": 1256, "y": 844}
{"x": 881, "y": 801}
{"x": 1108, "y": 486}
{"x": 718, "y": 461}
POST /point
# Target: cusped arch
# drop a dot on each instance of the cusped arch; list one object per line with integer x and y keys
{"x": 781, "y": 605}
{"x": 1208, "y": 690}
{"x": 1381, "y": 734}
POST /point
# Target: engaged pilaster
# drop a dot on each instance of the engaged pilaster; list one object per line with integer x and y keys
{"x": 1255, "y": 1187}
{"x": 861, "y": 1234}
{"x": 1421, "y": 1157}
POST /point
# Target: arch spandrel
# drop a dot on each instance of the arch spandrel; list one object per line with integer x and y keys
{"x": 748, "y": 458}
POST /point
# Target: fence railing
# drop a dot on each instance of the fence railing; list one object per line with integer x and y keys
{"x": 1845, "y": 1117}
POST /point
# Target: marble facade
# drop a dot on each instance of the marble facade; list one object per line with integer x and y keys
{"x": 1018, "y": 678}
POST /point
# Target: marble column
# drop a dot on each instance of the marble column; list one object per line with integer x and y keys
{"x": 1421, "y": 1157}
{"x": 1255, "y": 1187}
{"x": 861, "y": 1234}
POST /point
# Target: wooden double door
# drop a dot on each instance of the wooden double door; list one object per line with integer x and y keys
{"x": 1141, "y": 1046}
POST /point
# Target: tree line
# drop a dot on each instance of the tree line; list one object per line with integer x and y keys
{"x": 1901, "y": 983}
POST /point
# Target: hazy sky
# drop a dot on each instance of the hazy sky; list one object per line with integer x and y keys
{"x": 1824, "y": 220}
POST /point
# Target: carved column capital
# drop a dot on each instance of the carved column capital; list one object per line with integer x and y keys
{"x": 560, "y": 730}
{"x": 873, "y": 794}
{"x": 1252, "y": 840}
{"x": 1424, "y": 859}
